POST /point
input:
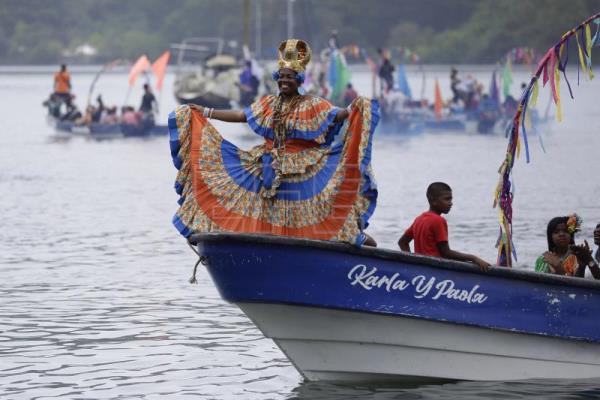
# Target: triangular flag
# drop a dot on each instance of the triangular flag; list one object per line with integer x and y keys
{"x": 333, "y": 71}
{"x": 140, "y": 66}
{"x": 160, "y": 67}
{"x": 507, "y": 79}
{"x": 343, "y": 78}
{"x": 437, "y": 105}
{"x": 403, "y": 82}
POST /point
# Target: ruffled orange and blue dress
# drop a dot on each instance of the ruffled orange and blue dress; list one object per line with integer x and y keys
{"x": 319, "y": 185}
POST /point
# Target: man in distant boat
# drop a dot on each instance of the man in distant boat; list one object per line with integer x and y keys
{"x": 349, "y": 95}
{"x": 454, "y": 82}
{"x": 386, "y": 72}
{"x": 430, "y": 229}
{"x": 149, "y": 106}
{"x": 62, "y": 84}
{"x": 249, "y": 84}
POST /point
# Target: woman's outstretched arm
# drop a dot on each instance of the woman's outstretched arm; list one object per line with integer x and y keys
{"x": 223, "y": 115}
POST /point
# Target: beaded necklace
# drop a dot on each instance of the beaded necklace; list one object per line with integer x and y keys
{"x": 282, "y": 113}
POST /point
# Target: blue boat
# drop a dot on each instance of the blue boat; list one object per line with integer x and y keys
{"x": 445, "y": 124}
{"x": 343, "y": 313}
{"x": 106, "y": 131}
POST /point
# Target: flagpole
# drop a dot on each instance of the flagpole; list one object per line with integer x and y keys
{"x": 127, "y": 96}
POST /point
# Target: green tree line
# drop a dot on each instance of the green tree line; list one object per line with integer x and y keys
{"x": 440, "y": 31}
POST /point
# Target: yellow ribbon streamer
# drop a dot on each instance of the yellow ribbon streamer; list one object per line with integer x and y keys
{"x": 588, "y": 42}
{"x": 580, "y": 51}
{"x": 518, "y": 147}
{"x": 534, "y": 94}
{"x": 527, "y": 121}
{"x": 557, "y": 87}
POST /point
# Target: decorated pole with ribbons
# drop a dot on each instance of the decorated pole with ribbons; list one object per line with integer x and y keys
{"x": 549, "y": 68}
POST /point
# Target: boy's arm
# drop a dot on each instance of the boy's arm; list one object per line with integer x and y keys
{"x": 404, "y": 242}
{"x": 446, "y": 252}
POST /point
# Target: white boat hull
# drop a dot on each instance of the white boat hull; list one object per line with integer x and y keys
{"x": 338, "y": 345}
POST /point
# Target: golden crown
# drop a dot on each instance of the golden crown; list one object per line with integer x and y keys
{"x": 294, "y": 54}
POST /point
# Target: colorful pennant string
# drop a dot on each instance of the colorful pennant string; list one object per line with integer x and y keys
{"x": 549, "y": 68}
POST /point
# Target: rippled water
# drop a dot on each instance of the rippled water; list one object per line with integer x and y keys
{"x": 94, "y": 299}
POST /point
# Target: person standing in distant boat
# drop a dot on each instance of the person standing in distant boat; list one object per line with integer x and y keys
{"x": 149, "y": 106}
{"x": 386, "y": 72}
{"x": 430, "y": 230}
{"x": 249, "y": 84}
{"x": 454, "y": 82}
{"x": 62, "y": 84}
{"x": 349, "y": 95}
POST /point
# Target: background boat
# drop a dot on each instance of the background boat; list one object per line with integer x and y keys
{"x": 106, "y": 131}
{"x": 208, "y": 73}
{"x": 205, "y": 74}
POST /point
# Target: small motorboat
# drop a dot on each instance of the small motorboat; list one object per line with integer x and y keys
{"x": 106, "y": 131}
{"x": 343, "y": 313}
{"x": 206, "y": 74}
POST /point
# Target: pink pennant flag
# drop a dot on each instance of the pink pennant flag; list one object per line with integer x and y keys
{"x": 544, "y": 62}
{"x": 141, "y": 65}
{"x": 438, "y": 103}
{"x": 160, "y": 67}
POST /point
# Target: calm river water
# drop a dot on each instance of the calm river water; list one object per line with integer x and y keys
{"x": 94, "y": 299}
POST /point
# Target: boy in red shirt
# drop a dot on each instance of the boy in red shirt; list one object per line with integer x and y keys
{"x": 430, "y": 229}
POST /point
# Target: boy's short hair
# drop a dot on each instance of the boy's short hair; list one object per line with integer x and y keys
{"x": 436, "y": 189}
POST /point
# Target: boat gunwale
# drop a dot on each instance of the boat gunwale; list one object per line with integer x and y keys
{"x": 395, "y": 255}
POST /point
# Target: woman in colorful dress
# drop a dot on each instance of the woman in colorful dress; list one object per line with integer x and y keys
{"x": 560, "y": 258}
{"x": 310, "y": 178}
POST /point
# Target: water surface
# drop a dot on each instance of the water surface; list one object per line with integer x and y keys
{"x": 94, "y": 299}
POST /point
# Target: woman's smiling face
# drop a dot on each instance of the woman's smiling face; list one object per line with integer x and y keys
{"x": 287, "y": 83}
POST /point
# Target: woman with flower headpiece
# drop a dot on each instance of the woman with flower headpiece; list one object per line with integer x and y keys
{"x": 563, "y": 256}
{"x": 310, "y": 178}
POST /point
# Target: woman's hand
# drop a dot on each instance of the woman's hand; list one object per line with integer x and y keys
{"x": 554, "y": 263}
{"x": 345, "y": 112}
{"x": 552, "y": 259}
{"x": 582, "y": 252}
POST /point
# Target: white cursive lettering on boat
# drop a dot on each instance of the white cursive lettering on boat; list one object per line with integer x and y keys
{"x": 422, "y": 285}
{"x": 368, "y": 278}
{"x": 446, "y": 288}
